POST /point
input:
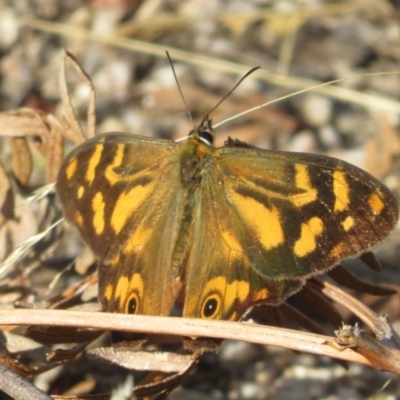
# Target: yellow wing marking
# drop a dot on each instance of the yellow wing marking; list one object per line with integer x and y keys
{"x": 348, "y": 223}
{"x": 135, "y": 290}
{"x": 81, "y": 191}
{"x": 137, "y": 284}
{"x": 127, "y": 203}
{"x": 309, "y": 233}
{"x": 338, "y": 250}
{"x": 98, "y": 206}
{"x": 137, "y": 240}
{"x": 71, "y": 168}
{"x": 302, "y": 181}
{"x": 93, "y": 162}
{"x": 376, "y": 203}
{"x": 262, "y": 294}
{"x": 78, "y": 218}
{"x": 108, "y": 292}
{"x": 114, "y": 261}
{"x": 231, "y": 240}
{"x": 341, "y": 191}
{"x": 226, "y": 293}
{"x": 109, "y": 173}
{"x": 121, "y": 290}
{"x": 265, "y": 222}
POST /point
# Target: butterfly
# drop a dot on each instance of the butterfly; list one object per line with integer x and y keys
{"x": 216, "y": 230}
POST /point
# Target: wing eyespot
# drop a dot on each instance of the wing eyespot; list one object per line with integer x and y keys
{"x": 211, "y": 307}
{"x": 133, "y": 304}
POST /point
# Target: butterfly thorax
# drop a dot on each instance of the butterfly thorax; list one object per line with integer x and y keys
{"x": 192, "y": 157}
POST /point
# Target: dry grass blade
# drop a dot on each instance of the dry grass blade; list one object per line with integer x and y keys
{"x": 339, "y": 93}
{"x": 38, "y": 194}
{"x": 237, "y": 22}
{"x": 279, "y": 337}
{"x": 67, "y": 296}
{"x": 24, "y": 247}
{"x": 325, "y": 88}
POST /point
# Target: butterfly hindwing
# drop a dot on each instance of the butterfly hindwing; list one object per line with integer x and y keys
{"x": 221, "y": 283}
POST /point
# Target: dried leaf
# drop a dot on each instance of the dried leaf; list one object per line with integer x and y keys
{"x": 64, "y": 355}
{"x": 75, "y": 133}
{"x": 54, "y": 155}
{"x": 84, "y": 261}
{"x": 21, "y": 159}
{"x": 369, "y": 259}
{"x": 56, "y": 335}
{"x": 14, "y": 343}
{"x": 345, "y": 278}
{"x": 23, "y": 122}
{"x": 144, "y": 360}
{"x": 6, "y": 197}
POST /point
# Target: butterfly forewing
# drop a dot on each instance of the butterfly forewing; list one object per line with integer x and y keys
{"x": 120, "y": 191}
{"x": 295, "y": 214}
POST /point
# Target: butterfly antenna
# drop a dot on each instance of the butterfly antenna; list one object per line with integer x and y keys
{"x": 231, "y": 91}
{"x": 179, "y": 88}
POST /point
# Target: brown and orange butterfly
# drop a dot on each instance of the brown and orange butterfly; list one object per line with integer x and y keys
{"x": 217, "y": 230}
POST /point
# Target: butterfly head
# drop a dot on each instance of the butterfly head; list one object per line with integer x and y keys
{"x": 204, "y": 133}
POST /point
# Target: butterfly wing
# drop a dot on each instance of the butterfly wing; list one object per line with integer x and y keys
{"x": 284, "y": 217}
{"x": 127, "y": 207}
{"x": 302, "y": 213}
{"x": 221, "y": 282}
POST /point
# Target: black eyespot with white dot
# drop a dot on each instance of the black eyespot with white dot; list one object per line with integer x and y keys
{"x": 211, "y": 307}
{"x": 133, "y": 304}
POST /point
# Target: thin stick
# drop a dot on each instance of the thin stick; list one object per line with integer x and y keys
{"x": 189, "y": 327}
{"x": 18, "y": 387}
